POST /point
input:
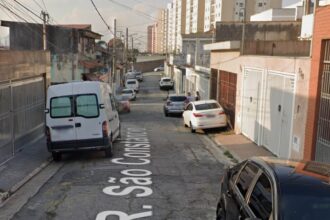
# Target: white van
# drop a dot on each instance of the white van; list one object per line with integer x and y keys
{"x": 132, "y": 84}
{"x": 81, "y": 116}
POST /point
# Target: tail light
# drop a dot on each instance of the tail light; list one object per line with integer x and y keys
{"x": 47, "y": 133}
{"x": 221, "y": 112}
{"x": 105, "y": 129}
{"x": 198, "y": 115}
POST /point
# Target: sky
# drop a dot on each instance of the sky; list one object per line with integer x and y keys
{"x": 136, "y": 16}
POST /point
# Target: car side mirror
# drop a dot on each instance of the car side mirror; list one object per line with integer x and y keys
{"x": 46, "y": 111}
{"x": 101, "y": 106}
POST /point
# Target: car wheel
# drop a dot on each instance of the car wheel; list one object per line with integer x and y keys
{"x": 166, "y": 113}
{"x": 56, "y": 156}
{"x": 191, "y": 128}
{"x": 184, "y": 124}
{"x": 108, "y": 150}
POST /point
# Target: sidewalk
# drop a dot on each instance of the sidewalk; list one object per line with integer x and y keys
{"x": 27, "y": 163}
{"x": 239, "y": 147}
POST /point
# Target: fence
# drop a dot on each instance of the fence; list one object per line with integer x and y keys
{"x": 22, "y": 99}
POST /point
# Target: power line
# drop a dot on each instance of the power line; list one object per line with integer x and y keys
{"x": 38, "y": 4}
{"x": 106, "y": 24}
{"x": 19, "y": 11}
{"x": 29, "y": 10}
{"x": 44, "y": 5}
{"x": 132, "y": 9}
{"x": 14, "y": 13}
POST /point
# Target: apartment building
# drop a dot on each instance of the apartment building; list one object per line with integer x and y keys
{"x": 160, "y": 30}
{"x": 234, "y": 10}
{"x": 195, "y": 10}
{"x": 151, "y": 38}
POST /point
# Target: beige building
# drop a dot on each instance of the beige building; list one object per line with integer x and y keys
{"x": 160, "y": 30}
{"x": 234, "y": 10}
{"x": 195, "y": 10}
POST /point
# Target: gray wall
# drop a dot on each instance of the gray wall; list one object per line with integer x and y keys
{"x": 24, "y": 77}
{"x": 265, "y": 31}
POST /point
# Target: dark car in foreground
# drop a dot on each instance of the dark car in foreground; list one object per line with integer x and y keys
{"x": 271, "y": 188}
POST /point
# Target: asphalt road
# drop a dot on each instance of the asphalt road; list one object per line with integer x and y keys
{"x": 159, "y": 171}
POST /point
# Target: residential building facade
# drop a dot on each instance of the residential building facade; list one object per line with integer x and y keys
{"x": 317, "y": 140}
{"x": 262, "y": 84}
{"x": 72, "y": 47}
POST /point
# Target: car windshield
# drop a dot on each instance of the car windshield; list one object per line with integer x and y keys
{"x": 127, "y": 92}
{"x": 207, "y": 106}
{"x": 131, "y": 82}
{"x": 305, "y": 202}
{"x": 178, "y": 98}
{"x": 166, "y": 80}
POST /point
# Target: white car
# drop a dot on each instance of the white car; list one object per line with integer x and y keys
{"x": 129, "y": 93}
{"x": 132, "y": 84}
{"x": 166, "y": 83}
{"x": 160, "y": 68}
{"x": 203, "y": 115}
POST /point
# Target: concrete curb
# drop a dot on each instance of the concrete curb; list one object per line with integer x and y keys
{"x": 224, "y": 149}
{"x": 6, "y": 195}
{"x": 218, "y": 151}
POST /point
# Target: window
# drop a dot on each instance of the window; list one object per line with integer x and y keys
{"x": 245, "y": 178}
{"x": 260, "y": 4}
{"x": 178, "y": 98}
{"x": 261, "y": 198}
{"x": 61, "y": 107}
{"x": 87, "y": 106}
{"x": 207, "y": 106}
{"x": 190, "y": 107}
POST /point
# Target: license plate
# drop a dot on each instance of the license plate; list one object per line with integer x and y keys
{"x": 210, "y": 116}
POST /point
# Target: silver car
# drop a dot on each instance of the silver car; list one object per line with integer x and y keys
{"x": 174, "y": 104}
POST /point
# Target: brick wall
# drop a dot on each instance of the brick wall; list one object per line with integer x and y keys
{"x": 321, "y": 32}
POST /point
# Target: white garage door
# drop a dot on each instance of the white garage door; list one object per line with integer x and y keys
{"x": 251, "y": 103}
{"x": 278, "y": 110}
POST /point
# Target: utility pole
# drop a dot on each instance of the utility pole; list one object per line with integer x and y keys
{"x": 132, "y": 52}
{"x": 126, "y": 48}
{"x": 114, "y": 62}
{"x": 45, "y": 18}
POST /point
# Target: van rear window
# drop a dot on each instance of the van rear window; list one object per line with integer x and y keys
{"x": 61, "y": 107}
{"x": 85, "y": 105}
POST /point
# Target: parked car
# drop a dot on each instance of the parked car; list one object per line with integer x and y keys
{"x": 204, "y": 114}
{"x": 123, "y": 104}
{"x": 273, "y": 188}
{"x": 81, "y": 116}
{"x": 174, "y": 104}
{"x": 129, "y": 93}
{"x": 166, "y": 83}
{"x": 132, "y": 84}
{"x": 159, "y": 68}
{"x": 134, "y": 74}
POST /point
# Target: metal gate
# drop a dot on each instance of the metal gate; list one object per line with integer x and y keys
{"x": 227, "y": 94}
{"x": 21, "y": 114}
{"x": 323, "y": 132}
